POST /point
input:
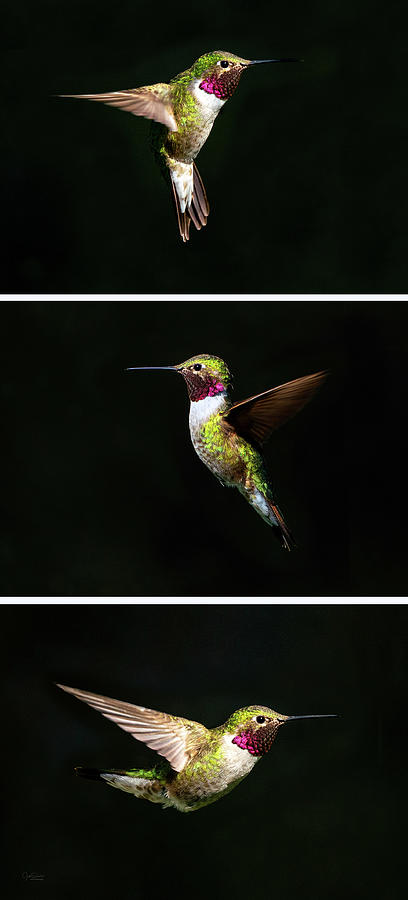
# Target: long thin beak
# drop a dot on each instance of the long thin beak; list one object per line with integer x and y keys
{"x": 327, "y": 716}
{"x": 153, "y": 369}
{"x": 256, "y": 62}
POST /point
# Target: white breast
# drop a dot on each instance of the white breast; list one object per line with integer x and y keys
{"x": 202, "y": 410}
{"x": 239, "y": 762}
{"x": 207, "y": 101}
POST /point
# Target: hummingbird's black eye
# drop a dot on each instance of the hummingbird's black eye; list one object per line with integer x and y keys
{"x": 260, "y": 720}
{"x": 224, "y": 63}
{"x": 197, "y": 367}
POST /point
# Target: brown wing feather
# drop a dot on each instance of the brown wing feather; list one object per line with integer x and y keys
{"x": 257, "y": 417}
{"x": 170, "y": 736}
{"x": 152, "y": 103}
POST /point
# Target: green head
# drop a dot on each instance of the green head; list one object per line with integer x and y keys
{"x": 212, "y": 60}
{"x": 205, "y": 375}
{"x": 219, "y": 71}
{"x": 255, "y": 728}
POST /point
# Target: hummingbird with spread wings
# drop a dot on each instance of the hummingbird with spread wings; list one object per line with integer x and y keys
{"x": 200, "y": 764}
{"x": 183, "y": 113}
{"x": 229, "y": 437}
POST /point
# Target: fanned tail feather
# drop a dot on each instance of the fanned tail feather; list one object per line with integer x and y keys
{"x": 198, "y": 210}
{"x": 183, "y": 218}
{"x": 200, "y": 204}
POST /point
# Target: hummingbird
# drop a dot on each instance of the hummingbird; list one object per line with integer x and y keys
{"x": 201, "y": 764}
{"x": 183, "y": 114}
{"x": 228, "y": 437}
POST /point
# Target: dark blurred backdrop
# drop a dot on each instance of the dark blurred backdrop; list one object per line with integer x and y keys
{"x": 305, "y": 167}
{"x": 321, "y": 816}
{"x": 103, "y": 493}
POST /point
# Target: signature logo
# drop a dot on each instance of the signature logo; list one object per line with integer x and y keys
{"x": 32, "y": 876}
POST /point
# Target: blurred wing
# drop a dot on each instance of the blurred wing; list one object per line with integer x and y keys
{"x": 174, "y": 738}
{"x": 257, "y": 417}
{"x": 152, "y": 103}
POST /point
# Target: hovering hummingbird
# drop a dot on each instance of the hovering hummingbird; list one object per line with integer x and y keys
{"x": 228, "y": 436}
{"x": 202, "y": 764}
{"x": 184, "y": 112}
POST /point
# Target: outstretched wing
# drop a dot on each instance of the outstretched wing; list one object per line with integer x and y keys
{"x": 174, "y": 738}
{"x": 151, "y": 102}
{"x": 256, "y": 417}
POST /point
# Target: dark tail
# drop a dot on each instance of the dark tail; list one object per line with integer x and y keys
{"x": 96, "y": 774}
{"x": 93, "y": 774}
{"x": 271, "y": 514}
{"x": 282, "y": 531}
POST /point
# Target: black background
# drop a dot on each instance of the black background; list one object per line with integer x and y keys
{"x": 104, "y": 495}
{"x": 322, "y": 815}
{"x": 305, "y": 168}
